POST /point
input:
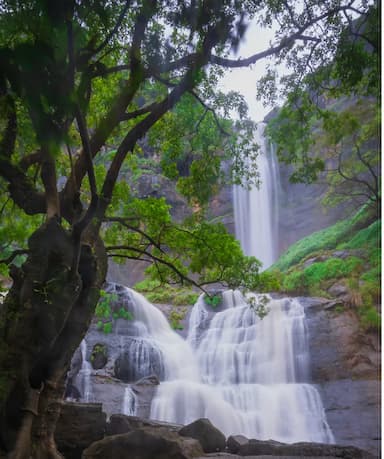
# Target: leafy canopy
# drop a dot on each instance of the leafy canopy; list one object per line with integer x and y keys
{"x": 94, "y": 94}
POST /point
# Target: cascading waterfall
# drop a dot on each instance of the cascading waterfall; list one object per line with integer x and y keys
{"x": 249, "y": 373}
{"x": 255, "y": 209}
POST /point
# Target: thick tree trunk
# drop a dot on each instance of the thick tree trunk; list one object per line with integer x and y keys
{"x": 43, "y": 320}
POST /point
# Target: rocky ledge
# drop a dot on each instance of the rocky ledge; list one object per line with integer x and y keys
{"x": 83, "y": 432}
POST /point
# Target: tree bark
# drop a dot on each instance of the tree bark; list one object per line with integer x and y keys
{"x": 42, "y": 321}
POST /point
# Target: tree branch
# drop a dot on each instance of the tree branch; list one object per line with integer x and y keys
{"x": 210, "y": 109}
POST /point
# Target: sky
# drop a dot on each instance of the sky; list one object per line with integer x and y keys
{"x": 243, "y": 80}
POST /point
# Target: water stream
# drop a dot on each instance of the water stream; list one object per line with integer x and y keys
{"x": 256, "y": 209}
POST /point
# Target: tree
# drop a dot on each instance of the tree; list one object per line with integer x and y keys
{"x": 82, "y": 83}
{"x": 329, "y": 127}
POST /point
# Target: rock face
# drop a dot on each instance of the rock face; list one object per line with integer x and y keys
{"x": 79, "y": 426}
{"x": 145, "y": 443}
{"x": 210, "y": 438}
{"x": 345, "y": 365}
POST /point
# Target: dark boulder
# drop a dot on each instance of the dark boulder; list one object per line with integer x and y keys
{"x": 240, "y": 446}
{"x": 99, "y": 356}
{"x": 146, "y": 443}
{"x": 140, "y": 358}
{"x": 210, "y": 438}
{"x": 79, "y": 425}
{"x": 120, "y": 423}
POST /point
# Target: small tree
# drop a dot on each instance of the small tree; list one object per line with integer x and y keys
{"x": 329, "y": 127}
{"x": 81, "y": 84}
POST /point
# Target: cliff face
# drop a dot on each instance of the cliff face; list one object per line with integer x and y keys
{"x": 300, "y": 211}
{"x": 345, "y": 365}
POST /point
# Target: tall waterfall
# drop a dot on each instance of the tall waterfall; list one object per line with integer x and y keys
{"x": 255, "y": 209}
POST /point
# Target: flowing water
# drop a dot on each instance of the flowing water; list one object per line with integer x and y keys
{"x": 253, "y": 374}
{"x": 255, "y": 209}
{"x": 84, "y": 375}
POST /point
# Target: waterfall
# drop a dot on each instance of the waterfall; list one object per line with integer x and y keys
{"x": 84, "y": 375}
{"x": 253, "y": 374}
{"x": 247, "y": 375}
{"x": 255, "y": 209}
{"x": 129, "y": 402}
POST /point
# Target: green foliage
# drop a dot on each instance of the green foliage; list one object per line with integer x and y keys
{"x": 156, "y": 292}
{"x": 326, "y": 239}
{"x": 214, "y": 301}
{"x": 259, "y": 305}
{"x": 175, "y": 316}
{"x": 107, "y": 309}
{"x": 314, "y": 134}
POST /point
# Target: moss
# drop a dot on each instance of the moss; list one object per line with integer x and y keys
{"x": 176, "y": 316}
{"x": 158, "y": 293}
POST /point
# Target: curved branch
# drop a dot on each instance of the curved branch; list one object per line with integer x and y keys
{"x": 154, "y": 258}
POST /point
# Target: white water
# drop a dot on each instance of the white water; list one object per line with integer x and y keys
{"x": 248, "y": 376}
{"x": 84, "y": 375}
{"x": 255, "y": 210}
{"x": 129, "y": 402}
{"x": 249, "y": 370}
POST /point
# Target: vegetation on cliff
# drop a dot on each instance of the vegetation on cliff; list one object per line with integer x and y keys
{"x": 342, "y": 261}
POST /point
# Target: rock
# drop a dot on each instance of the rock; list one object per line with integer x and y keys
{"x": 128, "y": 369}
{"x": 146, "y": 443}
{"x": 79, "y": 426}
{"x": 144, "y": 390}
{"x": 99, "y": 356}
{"x": 120, "y": 423}
{"x": 338, "y": 289}
{"x": 302, "y": 449}
{"x": 234, "y": 442}
{"x": 210, "y": 438}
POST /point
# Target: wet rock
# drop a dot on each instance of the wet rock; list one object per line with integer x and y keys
{"x": 79, "y": 426}
{"x": 120, "y": 423}
{"x": 99, "y": 356}
{"x": 144, "y": 391}
{"x": 276, "y": 449}
{"x": 210, "y": 438}
{"x": 235, "y": 442}
{"x": 146, "y": 443}
{"x": 128, "y": 369}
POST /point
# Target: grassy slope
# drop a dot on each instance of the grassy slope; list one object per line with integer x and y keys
{"x": 347, "y": 254}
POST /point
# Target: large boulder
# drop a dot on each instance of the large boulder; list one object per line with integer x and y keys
{"x": 210, "y": 438}
{"x": 146, "y": 443}
{"x": 240, "y": 446}
{"x": 120, "y": 423}
{"x": 79, "y": 425}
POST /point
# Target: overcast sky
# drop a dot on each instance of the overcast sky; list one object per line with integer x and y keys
{"x": 244, "y": 80}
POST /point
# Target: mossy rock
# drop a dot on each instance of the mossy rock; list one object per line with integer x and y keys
{"x": 99, "y": 356}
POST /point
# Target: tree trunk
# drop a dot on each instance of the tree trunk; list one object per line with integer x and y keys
{"x": 42, "y": 321}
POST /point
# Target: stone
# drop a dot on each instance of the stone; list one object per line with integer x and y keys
{"x": 210, "y": 438}
{"x": 126, "y": 367}
{"x": 120, "y": 423}
{"x": 146, "y": 443}
{"x": 338, "y": 289}
{"x": 99, "y": 356}
{"x": 234, "y": 442}
{"x": 79, "y": 425}
{"x": 273, "y": 448}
